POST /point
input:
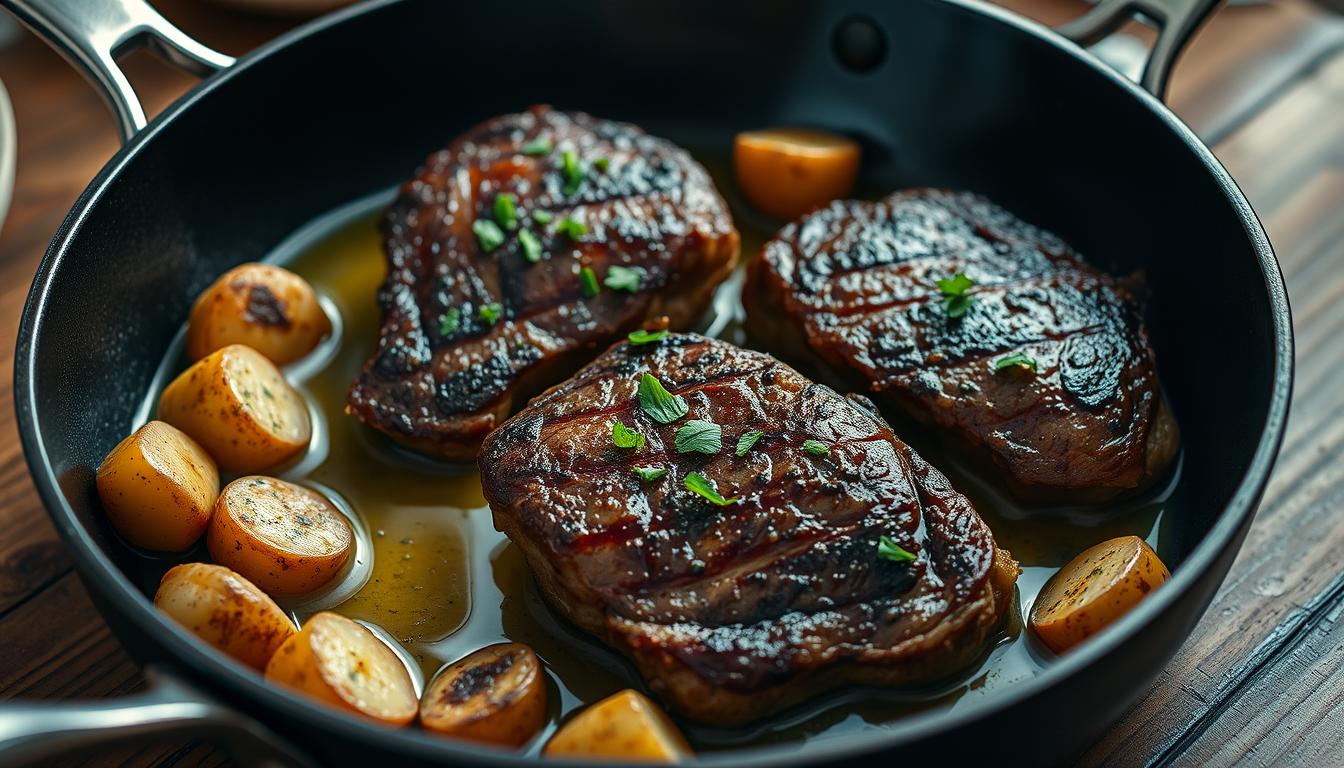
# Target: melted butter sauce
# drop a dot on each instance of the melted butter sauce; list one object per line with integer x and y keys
{"x": 431, "y": 573}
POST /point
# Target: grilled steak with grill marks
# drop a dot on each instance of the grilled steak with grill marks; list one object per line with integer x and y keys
{"x": 471, "y": 327}
{"x": 733, "y": 612}
{"x": 858, "y": 282}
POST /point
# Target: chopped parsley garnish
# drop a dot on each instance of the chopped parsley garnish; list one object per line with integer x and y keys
{"x": 601, "y": 164}
{"x": 621, "y": 278}
{"x": 816, "y": 447}
{"x": 505, "y": 211}
{"x": 1017, "y": 359}
{"x": 538, "y": 146}
{"x": 531, "y": 245}
{"x": 489, "y": 313}
{"x": 955, "y": 298}
{"x": 488, "y": 234}
{"x": 646, "y": 337}
{"x": 624, "y": 437}
{"x": 543, "y": 217}
{"x": 747, "y": 441}
{"x": 571, "y": 227}
{"x": 573, "y": 171}
{"x": 449, "y": 322}
{"x": 890, "y": 550}
{"x": 588, "y": 282}
{"x": 697, "y": 483}
{"x": 649, "y": 473}
{"x": 700, "y": 436}
{"x": 661, "y": 406}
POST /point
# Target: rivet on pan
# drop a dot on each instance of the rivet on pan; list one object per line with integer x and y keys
{"x": 859, "y": 44}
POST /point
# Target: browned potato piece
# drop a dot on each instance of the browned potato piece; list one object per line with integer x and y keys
{"x": 158, "y": 487}
{"x": 1094, "y": 589}
{"x": 236, "y": 403}
{"x": 286, "y": 539}
{"x": 496, "y": 695}
{"x": 626, "y": 726}
{"x": 787, "y": 172}
{"x": 225, "y": 610}
{"x": 266, "y": 307}
{"x": 342, "y": 663}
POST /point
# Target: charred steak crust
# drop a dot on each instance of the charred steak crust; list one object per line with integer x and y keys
{"x": 467, "y": 332}
{"x": 733, "y": 612}
{"x": 858, "y": 280}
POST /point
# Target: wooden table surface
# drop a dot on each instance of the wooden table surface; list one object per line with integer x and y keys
{"x": 1261, "y": 680}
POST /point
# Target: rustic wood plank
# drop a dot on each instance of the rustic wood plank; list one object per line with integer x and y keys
{"x": 1288, "y": 162}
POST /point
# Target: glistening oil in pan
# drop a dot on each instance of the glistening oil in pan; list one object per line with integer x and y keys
{"x": 431, "y": 571}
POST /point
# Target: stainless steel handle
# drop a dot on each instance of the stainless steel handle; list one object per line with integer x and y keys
{"x": 35, "y": 733}
{"x": 1176, "y": 22}
{"x": 93, "y": 34}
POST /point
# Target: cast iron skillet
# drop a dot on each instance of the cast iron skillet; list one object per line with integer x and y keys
{"x": 943, "y": 92}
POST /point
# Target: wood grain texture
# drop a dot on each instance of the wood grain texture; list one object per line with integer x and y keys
{"x": 1258, "y": 682}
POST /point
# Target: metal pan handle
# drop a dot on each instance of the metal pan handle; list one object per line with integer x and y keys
{"x": 1175, "y": 20}
{"x": 93, "y": 34}
{"x": 36, "y": 733}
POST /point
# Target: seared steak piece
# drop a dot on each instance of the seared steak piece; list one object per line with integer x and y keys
{"x": 510, "y": 258}
{"x": 859, "y": 283}
{"x": 734, "y": 611}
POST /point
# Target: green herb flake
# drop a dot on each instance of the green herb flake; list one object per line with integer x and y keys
{"x": 1017, "y": 359}
{"x": 621, "y": 278}
{"x": 816, "y": 447}
{"x": 489, "y": 313}
{"x": 955, "y": 298}
{"x": 506, "y": 214}
{"x": 571, "y": 227}
{"x": 449, "y": 322}
{"x": 698, "y": 483}
{"x": 624, "y": 437}
{"x": 649, "y": 473}
{"x": 588, "y": 282}
{"x": 543, "y": 217}
{"x": 661, "y": 406}
{"x": 700, "y": 436}
{"x": 488, "y": 234}
{"x": 538, "y": 146}
{"x": 573, "y": 170}
{"x": 531, "y": 245}
{"x": 646, "y": 337}
{"x": 602, "y": 163}
{"x": 887, "y": 549}
{"x": 747, "y": 441}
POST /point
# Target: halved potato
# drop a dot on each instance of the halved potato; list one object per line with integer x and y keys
{"x": 340, "y": 662}
{"x": 496, "y": 695}
{"x": 158, "y": 487}
{"x": 786, "y": 172}
{"x": 625, "y": 726}
{"x": 285, "y": 538}
{"x": 1094, "y": 589}
{"x": 266, "y": 307}
{"x": 237, "y": 404}
{"x": 225, "y": 610}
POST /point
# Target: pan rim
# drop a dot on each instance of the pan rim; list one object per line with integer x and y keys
{"x": 97, "y": 570}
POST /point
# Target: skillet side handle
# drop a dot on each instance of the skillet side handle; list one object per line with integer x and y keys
{"x": 38, "y": 733}
{"x": 1176, "y": 22}
{"x": 93, "y": 34}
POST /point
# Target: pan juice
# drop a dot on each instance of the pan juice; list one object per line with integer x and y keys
{"x": 431, "y": 572}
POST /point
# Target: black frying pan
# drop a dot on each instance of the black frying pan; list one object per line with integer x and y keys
{"x": 943, "y": 92}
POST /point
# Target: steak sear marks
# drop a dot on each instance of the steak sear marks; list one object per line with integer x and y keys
{"x": 732, "y": 612}
{"x": 469, "y": 329}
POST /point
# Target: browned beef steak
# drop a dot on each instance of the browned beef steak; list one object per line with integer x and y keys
{"x": 489, "y": 300}
{"x": 857, "y": 284}
{"x": 734, "y": 611}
